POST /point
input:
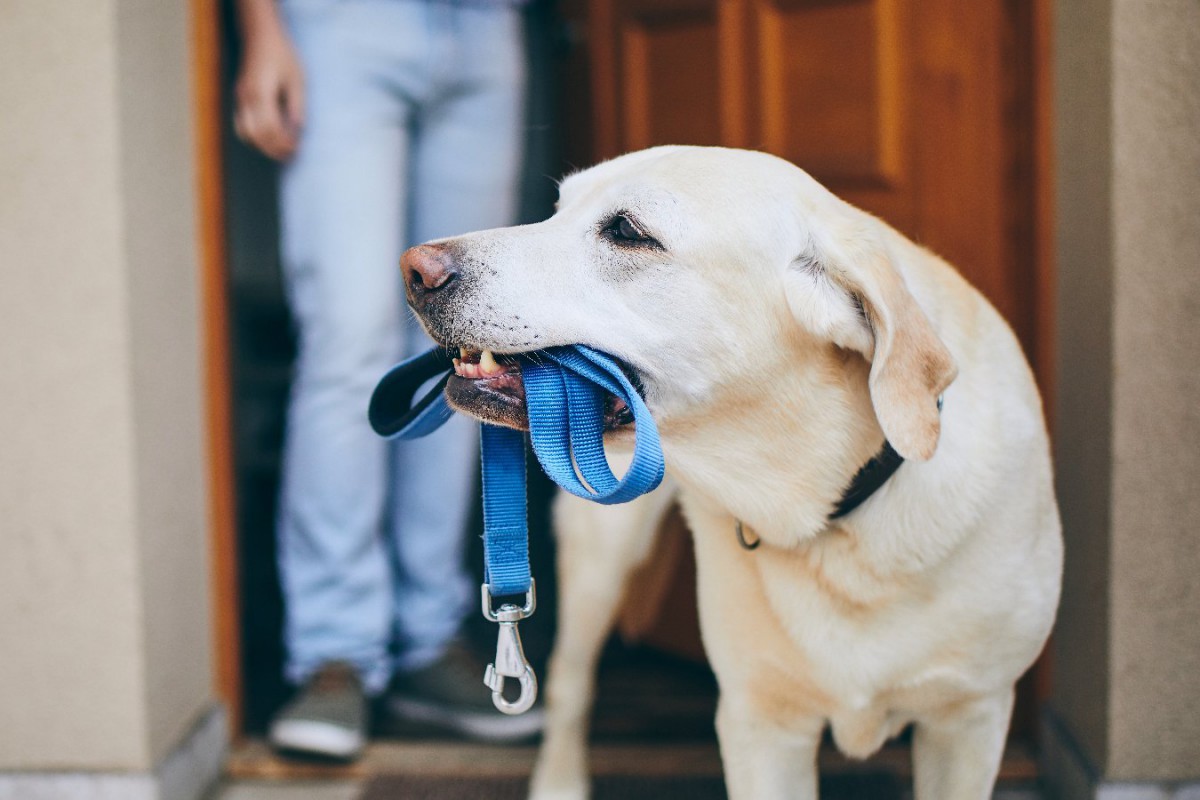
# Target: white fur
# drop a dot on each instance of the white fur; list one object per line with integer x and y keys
{"x": 780, "y": 333}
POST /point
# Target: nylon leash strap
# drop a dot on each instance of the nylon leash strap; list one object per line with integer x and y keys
{"x": 566, "y": 389}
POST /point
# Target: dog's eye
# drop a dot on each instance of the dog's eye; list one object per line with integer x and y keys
{"x": 623, "y": 231}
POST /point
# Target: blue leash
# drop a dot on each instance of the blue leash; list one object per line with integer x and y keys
{"x": 566, "y": 389}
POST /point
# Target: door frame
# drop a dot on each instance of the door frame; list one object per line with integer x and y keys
{"x": 208, "y": 129}
{"x": 1033, "y": 99}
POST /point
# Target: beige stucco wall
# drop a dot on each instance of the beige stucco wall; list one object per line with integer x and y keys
{"x": 1127, "y": 662}
{"x": 104, "y": 651}
{"x": 1155, "y": 606}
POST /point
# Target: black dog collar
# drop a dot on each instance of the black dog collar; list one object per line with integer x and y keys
{"x": 866, "y": 482}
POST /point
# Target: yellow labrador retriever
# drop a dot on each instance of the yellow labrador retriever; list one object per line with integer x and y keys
{"x": 781, "y": 337}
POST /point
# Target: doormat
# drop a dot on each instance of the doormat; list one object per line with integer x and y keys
{"x": 856, "y": 786}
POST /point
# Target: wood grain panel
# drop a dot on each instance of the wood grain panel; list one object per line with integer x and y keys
{"x": 961, "y": 162}
{"x": 829, "y": 85}
{"x": 667, "y": 55}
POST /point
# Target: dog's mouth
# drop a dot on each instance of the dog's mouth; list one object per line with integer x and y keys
{"x": 488, "y": 386}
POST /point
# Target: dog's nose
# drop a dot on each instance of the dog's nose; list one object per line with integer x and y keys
{"x": 429, "y": 269}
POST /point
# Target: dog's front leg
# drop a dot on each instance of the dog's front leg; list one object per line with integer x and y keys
{"x": 956, "y": 753}
{"x": 598, "y": 548}
{"x": 763, "y": 761}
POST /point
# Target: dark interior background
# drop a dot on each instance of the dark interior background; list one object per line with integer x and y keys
{"x": 263, "y": 349}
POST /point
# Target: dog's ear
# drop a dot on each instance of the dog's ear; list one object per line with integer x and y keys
{"x": 851, "y": 292}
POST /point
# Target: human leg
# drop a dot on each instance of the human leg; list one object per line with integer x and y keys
{"x": 466, "y": 155}
{"x": 342, "y": 211}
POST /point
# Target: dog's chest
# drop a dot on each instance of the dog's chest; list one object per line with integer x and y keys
{"x": 853, "y": 622}
{"x": 818, "y": 631}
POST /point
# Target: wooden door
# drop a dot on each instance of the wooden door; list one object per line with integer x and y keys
{"x": 924, "y": 112}
{"x": 920, "y": 111}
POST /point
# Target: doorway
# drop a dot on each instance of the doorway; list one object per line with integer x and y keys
{"x": 931, "y": 115}
{"x": 261, "y": 349}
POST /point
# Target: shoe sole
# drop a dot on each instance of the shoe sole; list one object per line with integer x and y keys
{"x": 496, "y": 728}
{"x": 317, "y": 738}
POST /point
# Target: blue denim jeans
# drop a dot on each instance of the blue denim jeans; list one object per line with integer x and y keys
{"x": 412, "y": 132}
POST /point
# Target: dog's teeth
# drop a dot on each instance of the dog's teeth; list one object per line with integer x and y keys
{"x": 462, "y": 353}
{"x": 487, "y": 363}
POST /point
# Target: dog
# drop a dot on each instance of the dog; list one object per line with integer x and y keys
{"x": 782, "y": 339}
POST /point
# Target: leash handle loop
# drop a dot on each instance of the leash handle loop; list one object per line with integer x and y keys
{"x": 565, "y": 403}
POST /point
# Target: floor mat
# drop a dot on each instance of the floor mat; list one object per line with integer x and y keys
{"x": 865, "y": 786}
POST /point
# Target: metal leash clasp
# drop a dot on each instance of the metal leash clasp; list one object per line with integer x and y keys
{"x": 510, "y": 656}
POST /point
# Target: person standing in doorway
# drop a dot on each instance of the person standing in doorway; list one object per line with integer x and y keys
{"x": 397, "y": 122}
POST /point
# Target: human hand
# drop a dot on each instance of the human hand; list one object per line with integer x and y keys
{"x": 269, "y": 92}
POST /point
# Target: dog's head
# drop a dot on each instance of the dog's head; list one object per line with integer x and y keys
{"x": 697, "y": 268}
